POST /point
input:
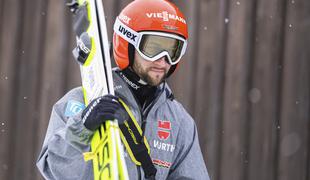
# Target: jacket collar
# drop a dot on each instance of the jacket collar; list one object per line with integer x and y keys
{"x": 122, "y": 90}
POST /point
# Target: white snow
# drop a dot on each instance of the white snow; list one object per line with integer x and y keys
{"x": 5, "y": 167}
{"x": 255, "y": 95}
{"x": 290, "y": 144}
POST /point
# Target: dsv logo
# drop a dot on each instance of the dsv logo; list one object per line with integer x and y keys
{"x": 127, "y": 33}
{"x": 75, "y": 108}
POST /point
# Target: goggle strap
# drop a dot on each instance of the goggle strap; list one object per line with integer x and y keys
{"x": 126, "y": 32}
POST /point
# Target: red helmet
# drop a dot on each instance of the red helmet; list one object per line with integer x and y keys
{"x": 146, "y": 16}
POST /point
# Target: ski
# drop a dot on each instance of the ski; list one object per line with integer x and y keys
{"x": 93, "y": 56}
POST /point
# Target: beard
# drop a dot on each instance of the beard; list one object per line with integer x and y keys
{"x": 145, "y": 76}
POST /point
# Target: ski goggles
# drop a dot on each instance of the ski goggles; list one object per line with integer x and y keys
{"x": 153, "y": 45}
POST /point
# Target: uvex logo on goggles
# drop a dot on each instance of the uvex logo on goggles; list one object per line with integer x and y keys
{"x": 127, "y": 33}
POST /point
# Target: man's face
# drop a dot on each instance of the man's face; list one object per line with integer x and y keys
{"x": 151, "y": 72}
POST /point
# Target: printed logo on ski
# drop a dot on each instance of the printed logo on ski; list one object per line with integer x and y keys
{"x": 163, "y": 129}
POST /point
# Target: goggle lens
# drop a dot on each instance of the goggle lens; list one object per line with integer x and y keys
{"x": 152, "y": 45}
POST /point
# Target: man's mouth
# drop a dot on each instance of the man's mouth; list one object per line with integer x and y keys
{"x": 158, "y": 70}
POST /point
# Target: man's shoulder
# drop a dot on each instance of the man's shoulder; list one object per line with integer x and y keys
{"x": 74, "y": 94}
{"x": 71, "y": 103}
{"x": 183, "y": 116}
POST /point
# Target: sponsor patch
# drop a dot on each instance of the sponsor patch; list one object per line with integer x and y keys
{"x": 163, "y": 146}
{"x": 165, "y": 16}
{"x": 117, "y": 87}
{"x": 161, "y": 163}
{"x": 73, "y": 108}
{"x": 163, "y": 129}
{"x": 125, "y": 18}
{"x": 130, "y": 83}
{"x": 174, "y": 28}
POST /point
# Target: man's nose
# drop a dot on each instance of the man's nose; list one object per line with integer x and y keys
{"x": 162, "y": 61}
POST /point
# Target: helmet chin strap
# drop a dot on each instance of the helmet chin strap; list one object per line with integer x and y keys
{"x": 171, "y": 70}
{"x": 131, "y": 54}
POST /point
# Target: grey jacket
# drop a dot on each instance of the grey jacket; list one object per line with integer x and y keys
{"x": 169, "y": 129}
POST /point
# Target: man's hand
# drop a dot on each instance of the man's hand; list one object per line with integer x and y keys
{"x": 102, "y": 109}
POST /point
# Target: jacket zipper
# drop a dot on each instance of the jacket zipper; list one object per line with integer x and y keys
{"x": 144, "y": 115}
{"x": 146, "y": 111}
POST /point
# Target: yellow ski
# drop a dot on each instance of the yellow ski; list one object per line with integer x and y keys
{"x": 107, "y": 152}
